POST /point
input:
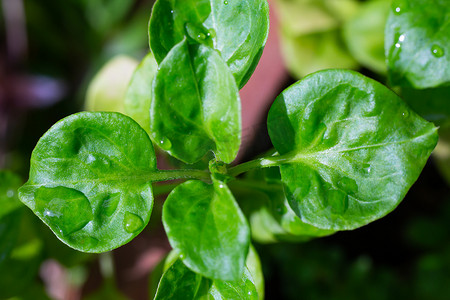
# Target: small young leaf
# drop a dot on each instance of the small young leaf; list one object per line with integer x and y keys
{"x": 107, "y": 90}
{"x": 205, "y": 224}
{"x": 417, "y": 43}
{"x": 90, "y": 180}
{"x": 243, "y": 288}
{"x": 349, "y": 148}
{"x": 139, "y": 94}
{"x": 196, "y": 105}
{"x": 178, "y": 282}
{"x": 237, "y": 29}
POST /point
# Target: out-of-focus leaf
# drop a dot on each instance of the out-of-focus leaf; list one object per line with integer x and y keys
{"x": 432, "y": 104}
{"x": 107, "y": 90}
{"x": 316, "y": 51}
{"x": 90, "y": 180}
{"x": 364, "y": 34}
{"x": 302, "y": 17}
{"x": 349, "y": 148}
{"x": 139, "y": 94}
{"x": 417, "y": 43}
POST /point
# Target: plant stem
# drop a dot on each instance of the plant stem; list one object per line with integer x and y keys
{"x": 264, "y": 162}
{"x": 165, "y": 175}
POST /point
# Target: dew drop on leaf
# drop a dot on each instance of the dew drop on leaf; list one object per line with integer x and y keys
{"x": 405, "y": 114}
{"x": 225, "y": 2}
{"x": 437, "y": 51}
{"x": 132, "y": 222}
{"x": 165, "y": 144}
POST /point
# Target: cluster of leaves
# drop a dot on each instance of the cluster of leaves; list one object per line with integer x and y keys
{"x": 346, "y": 151}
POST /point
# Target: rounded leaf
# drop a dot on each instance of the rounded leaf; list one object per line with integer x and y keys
{"x": 417, "y": 43}
{"x": 349, "y": 148}
{"x": 196, "y": 105}
{"x": 237, "y": 29}
{"x": 90, "y": 180}
{"x": 205, "y": 224}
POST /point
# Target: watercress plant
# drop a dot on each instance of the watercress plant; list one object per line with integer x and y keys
{"x": 347, "y": 149}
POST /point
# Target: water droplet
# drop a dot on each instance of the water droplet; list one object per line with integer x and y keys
{"x": 397, "y": 45}
{"x": 225, "y": 2}
{"x": 405, "y": 114}
{"x": 52, "y": 214}
{"x": 165, "y": 144}
{"x": 367, "y": 169}
{"x": 221, "y": 186}
{"x": 197, "y": 32}
{"x": 132, "y": 222}
{"x": 181, "y": 255}
{"x": 397, "y": 10}
{"x": 171, "y": 11}
{"x": 249, "y": 293}
{"x": 109, "y": 205}
{"x": 401, "y": 38}
{"x": 10, "y": 193}
{"x": 212, "y": 33}
{"x": 437, "y": 51}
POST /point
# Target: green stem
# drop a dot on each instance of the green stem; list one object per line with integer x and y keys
{"x": 264, "y": 162}
{"x": 166, "y": 175}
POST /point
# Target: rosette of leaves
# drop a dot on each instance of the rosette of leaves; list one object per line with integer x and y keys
{"x": 348, "y": 149}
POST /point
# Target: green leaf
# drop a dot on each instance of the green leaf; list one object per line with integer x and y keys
{"x": 196, "y": 105}
{"x": 243, "y": 288}
{"x": 90, "y": 180}
{"x": 302, "y": 17}
{"x": 237, "y": 29}
{"x": 179, "y": 282}
{"x": 9, "y": 184}
{"x": 10, "y": 215}
{"x": 309, "y": 53}
{"x": 271, "y": 217}
{"x": 205, "y": 224}
{"x": 9, "y": 230}
{"x": 349, "y": 148}
{"x": 139, "y": 94}
{"x": 417, "y": 43}
{"x": 431, "y": 104}
{"x": 364, "y": 34}
{"x": 107, "y": 90}
{"x": 255, "y": 269}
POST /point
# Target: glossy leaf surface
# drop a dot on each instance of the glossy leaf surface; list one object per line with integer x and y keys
{"x": 139, "y": 94}
{"x": 196, "y": 105}
{"x": 90, "y": 180}
{"x": 237, "y": 29}
{"x": 349, "y": 148}
{"x": 179, "y": 282}
{"x": 417, "y": 43}
{"x": 205, "y": 224}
